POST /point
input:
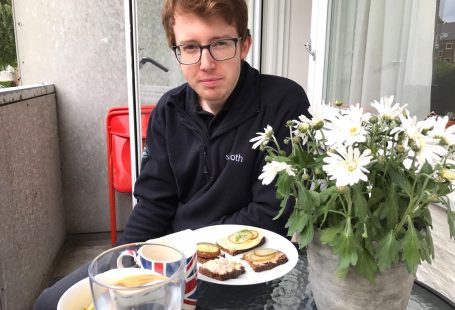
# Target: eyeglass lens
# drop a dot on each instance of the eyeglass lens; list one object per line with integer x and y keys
{"x": 220, "y": 50}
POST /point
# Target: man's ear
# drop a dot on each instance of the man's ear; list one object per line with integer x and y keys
{"x": 245, "y": 47}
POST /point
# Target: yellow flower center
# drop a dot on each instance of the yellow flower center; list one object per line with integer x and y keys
{"x": 351, "y": 166}
{"x": 448, "y": 174}
{"x": 354, "y": 131}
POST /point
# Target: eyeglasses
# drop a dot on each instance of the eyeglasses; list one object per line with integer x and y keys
{"x": 224, "y": 49}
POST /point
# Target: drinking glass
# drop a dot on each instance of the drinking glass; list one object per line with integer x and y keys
{"x": 139, "y": 276}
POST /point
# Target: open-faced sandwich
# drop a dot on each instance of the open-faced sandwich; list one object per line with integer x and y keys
{"x": 206, "y": 251}
{"x": 222, "y": 268}
{"x": 264, "y": 259}
{"x": 241, "y": 241}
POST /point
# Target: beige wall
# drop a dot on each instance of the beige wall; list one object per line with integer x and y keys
{"x": 79, "y": 46}
{"x": 32, "y": 226}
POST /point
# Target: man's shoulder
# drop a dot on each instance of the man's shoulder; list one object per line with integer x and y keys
{"x": 275, "y": 82}
{"x": 172, "y": 96}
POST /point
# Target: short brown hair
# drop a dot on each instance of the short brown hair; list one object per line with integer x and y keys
{"x": 233, "y": 12}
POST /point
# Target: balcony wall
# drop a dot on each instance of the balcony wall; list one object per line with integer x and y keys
{"x": 32, "y": 223}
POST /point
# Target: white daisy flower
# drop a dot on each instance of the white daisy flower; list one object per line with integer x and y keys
{"x": 386, "y": 110}
{"x": 320, "y": 113}
{"x": 424, "y": 147}
{"x": 262, "y": 138}
{"x": 439, "y": 131}
{"x": 347, "y": 129}
{"x": 271, "y": 169}
{"x": 348, "y": 166}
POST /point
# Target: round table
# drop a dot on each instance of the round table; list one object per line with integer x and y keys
{"x": 292, "y": 291}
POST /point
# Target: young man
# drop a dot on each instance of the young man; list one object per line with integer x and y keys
{"x": 199, "y": 167}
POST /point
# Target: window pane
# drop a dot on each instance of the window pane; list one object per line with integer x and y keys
{"x": 381, "y": 48}
{"x": 443, "y": 90}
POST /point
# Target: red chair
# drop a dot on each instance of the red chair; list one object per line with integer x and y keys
{"x": 118, "y": 155}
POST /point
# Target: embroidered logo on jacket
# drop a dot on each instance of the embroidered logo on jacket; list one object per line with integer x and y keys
{"x": 234, "y": 157}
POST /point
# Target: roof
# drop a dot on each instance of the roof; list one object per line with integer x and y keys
{"x": 446, "y": 31}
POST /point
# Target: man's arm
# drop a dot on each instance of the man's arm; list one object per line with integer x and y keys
{"x": 155, "y": 189}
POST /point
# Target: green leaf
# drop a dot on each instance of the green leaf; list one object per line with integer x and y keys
{"x": 310, "y": 199}
{"x": 360, "y": 203}
{"x": 306, "y": 236}
{"x": 391, "y": 207}
{"x": 283, "y": 185}
{"x": 398, "y": 177}
{"x": 388, "y": 251}
{"x": 345, "y": 247}
{"x": 426, "y": 168}
{"x": 427, "y": 249}
{"x": 297, "y": 222}
{"x": 376, "y": 195}
{"x": 411, "y": 248}
{"x": 327, "y": 194}
{"x": 283, "y": 205}
{"x": 451, "y": 220}
{"x": 366, "y": 265}
{"x": 327, "y": 235}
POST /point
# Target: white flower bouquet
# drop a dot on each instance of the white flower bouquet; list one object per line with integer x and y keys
{"x": 364, "y": 182}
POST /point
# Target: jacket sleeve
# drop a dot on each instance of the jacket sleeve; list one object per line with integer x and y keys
{"x": 264, "y": 205}
{"x": 155, "y": 188}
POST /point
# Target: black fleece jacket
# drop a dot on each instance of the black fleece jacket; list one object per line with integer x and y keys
{"x": 195, "y": 175}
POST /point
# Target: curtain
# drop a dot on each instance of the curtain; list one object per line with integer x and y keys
{"x": 380, "y": 48}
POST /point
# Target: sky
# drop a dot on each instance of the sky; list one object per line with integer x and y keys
{"x": 447, "y": 10}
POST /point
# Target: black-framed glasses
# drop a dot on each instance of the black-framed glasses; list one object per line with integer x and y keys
{"x": 223, "y": 49}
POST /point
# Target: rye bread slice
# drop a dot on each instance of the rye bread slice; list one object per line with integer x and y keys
{"x": 222, "y": 269}
{"x": 202, "y": 260}
{"x": 234, "y": 252}
{"x": 278, "y": 259}
{"x": 207, "y": 250}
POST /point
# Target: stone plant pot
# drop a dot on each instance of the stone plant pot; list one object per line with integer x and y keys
{"x": 392, "y": 289}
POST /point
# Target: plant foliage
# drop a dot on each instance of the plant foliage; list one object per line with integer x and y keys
{"x": 364, "y": 182}
{"x": 7, "y": 40}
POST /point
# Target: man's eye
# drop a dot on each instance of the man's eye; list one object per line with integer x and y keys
{"x": 190, "y": 48}
{"x": 220, "y": 44}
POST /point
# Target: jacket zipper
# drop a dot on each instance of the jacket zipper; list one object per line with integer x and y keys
{"x": 205, "y": 169}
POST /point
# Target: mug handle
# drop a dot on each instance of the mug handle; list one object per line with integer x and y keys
{"x": 130, "y": 253}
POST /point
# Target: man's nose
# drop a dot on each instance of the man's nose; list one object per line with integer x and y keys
{"x": 207, "y": 60}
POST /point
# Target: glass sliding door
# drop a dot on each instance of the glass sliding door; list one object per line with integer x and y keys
{"x": 152, "y": 68}
{"x": 380, "y": 48}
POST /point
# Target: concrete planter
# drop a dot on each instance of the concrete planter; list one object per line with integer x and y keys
{"x": 392, "y": 289}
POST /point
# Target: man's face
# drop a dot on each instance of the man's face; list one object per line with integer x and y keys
{"x": 212, "y": 80}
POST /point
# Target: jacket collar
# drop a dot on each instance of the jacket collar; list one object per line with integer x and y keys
{"x": 241, "y": 105}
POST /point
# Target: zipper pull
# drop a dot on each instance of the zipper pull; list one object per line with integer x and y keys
{"x": 205, "y": 169}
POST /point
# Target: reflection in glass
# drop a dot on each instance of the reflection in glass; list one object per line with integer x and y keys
{"x": 443, "y": 90}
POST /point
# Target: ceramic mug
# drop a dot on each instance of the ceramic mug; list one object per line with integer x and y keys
{"x": 147, "y": 259}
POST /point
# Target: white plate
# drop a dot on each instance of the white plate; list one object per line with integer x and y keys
{"x": 76, "y": 297}
{"x": 272, "y": 240}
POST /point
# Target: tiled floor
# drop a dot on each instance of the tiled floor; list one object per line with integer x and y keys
{"x": 78, "y": 250}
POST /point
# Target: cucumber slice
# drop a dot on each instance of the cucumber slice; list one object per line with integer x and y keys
{"x": 264, "y": 252}
{"x": 260, "y": 259}
{"x": 241, "y": 236}
{"x": 207, "y": 247}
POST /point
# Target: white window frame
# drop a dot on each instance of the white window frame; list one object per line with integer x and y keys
{"x": 318, "y": 39}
